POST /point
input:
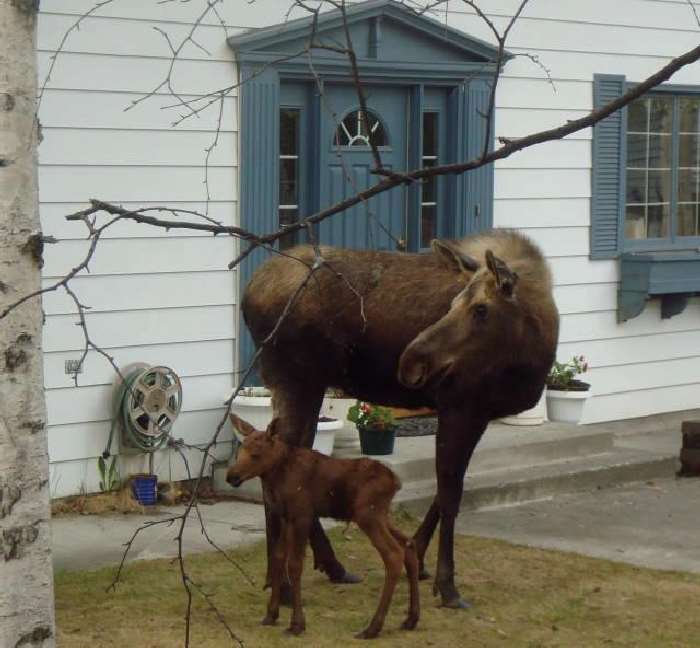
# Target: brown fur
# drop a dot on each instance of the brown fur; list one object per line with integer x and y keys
{"x": 301, "y": 484}
{"x": 470, "y": 330}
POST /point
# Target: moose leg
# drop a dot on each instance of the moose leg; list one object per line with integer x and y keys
{"x": 455, "y": 446}
{"x": 423, "y": 536}
{"x": 410, "y": 562}
{"x": 297, "y": 408}
{"x": 392, "y": 554}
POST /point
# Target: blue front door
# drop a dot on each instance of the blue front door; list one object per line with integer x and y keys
{"x": 346, "y": 162}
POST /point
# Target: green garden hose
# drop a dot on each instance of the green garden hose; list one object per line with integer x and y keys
{"x": 145, "y": 406}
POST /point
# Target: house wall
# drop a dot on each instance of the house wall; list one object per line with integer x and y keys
{"x": 167, "y": 298}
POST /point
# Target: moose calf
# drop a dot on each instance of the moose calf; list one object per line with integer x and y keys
{"x": 301, "y": 484}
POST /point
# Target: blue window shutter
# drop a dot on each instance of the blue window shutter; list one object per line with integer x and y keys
{"x": 607, "y": 191}
{"x": 478, "y": 184}
{"x": 259, "y": 177}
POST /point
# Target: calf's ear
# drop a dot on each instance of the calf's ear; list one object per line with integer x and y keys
{"x": 453, "y": 257}
{"x": 239, "y": 424}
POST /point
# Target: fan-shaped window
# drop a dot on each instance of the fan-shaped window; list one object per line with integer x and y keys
{"x": 352, "y": 131}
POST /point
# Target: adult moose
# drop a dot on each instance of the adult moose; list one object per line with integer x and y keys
{"x": 470, "y": 330}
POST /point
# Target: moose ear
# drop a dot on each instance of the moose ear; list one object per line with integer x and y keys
{"x": 239, "y": 424}
{"x": 453, "y": 257}
{"x": 506, "y": 279}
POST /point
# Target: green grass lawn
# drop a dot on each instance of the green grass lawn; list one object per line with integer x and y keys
{"x": 522, "y": 597}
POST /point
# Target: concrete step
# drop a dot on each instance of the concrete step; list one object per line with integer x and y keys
{"x": 502, "y": 447}
{"x": 513, "y": 486}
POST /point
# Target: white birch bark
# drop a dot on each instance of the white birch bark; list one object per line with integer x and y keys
{"x": 26, "y": 577}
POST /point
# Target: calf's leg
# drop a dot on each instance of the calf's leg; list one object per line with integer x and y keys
{"x": 298, "y": 536}
{"x": 277, "y": 568}
{"x": 455, "y": 446}
{"x": 411, "y": 564}
{"x": 391, "y": 552}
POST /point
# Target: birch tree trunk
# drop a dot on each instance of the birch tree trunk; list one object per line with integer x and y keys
{"x": 26, "y": 578}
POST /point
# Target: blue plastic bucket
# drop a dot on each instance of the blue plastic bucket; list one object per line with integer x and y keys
{"x": 145, "y": 489}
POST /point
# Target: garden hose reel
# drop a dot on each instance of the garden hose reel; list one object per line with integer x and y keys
{"x": 145, "y": 406}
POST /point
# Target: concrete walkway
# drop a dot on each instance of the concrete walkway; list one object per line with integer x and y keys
{"x": 652, "y": 524}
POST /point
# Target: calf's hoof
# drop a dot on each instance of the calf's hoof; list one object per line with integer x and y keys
{"x": 269, "y": 620}
{"x": 410, "y": 623}
{"x": 296, "y": 629}
{"x": 367, "y": 633}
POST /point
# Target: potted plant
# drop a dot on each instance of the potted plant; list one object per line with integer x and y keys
{"x": 376, "y": 427}
{"x": 566, "y": 395}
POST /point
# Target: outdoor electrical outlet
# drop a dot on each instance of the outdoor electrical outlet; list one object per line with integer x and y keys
{"x": 74, "y": 367}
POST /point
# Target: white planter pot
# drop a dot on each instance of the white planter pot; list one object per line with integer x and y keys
{"x": 346, "y": 438}
{"x": 325, "y": 435}
{"x": 566, "y": 406}
{"x": 534, "y": 416}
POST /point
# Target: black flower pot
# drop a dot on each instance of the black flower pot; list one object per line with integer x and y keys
{"x": 377, "y": 442}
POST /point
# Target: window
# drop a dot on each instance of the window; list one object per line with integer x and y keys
{"x": 429, "y": 193}
{"x": 663, "y": 168}
{"x": 289, "y": 173}
{"x": 352, "y": 131}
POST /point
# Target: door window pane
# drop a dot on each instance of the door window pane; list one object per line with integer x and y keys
{"x": 429, "y": 192}
{"x": 289, "y": 173}
{"x": 352, "y": 131}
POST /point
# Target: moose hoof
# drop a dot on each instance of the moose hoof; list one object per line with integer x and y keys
{"x": 346, "y": 578}
{"x": 456, "y": 603}
{"x": 367, "y": 633}
{"x": 269, "y": 620}
{"x": 410, "y": 623}
{"x": 295, "y": 629}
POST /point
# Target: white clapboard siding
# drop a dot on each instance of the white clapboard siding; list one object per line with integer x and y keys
{"x": 581, "y": 270}
{"x": 53, "y": 220}
{"x": 135, "y": 184}
{"x": 130, "y": 328}
{"x": 538, "y": 93}
{"x": 260, "y": 13}
{"x": 72, "y": 147}
{"x": 560, "y": 241}
{"x": 81, "y": 475}
{"x": 67, "y": 442}
{"x": 570, "y": 154}
{"x": 137, "y": 292}
{"x": 585, "y": 298}
{"x": 107, "y": 36}
{"x": 628, "y": 351}
{"x": 597, "y": 326}
{"x": 518, "y": 122}
{"x": 112, "y": 110}
{"x": 142, "y": 256}
{"x": 542, "y": 183}
{"x": 135, "y": 74}
{"x": 625, "y": 405}
{"x": 537, "y": 212}
{"x": 93, "y": 403}
{"x": 642, "y": 376}
{"x": 185, "y": 359}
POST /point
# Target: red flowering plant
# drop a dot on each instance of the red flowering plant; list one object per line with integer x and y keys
{"x": 562, "y": 375}
{"x": 371, "y": 417}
